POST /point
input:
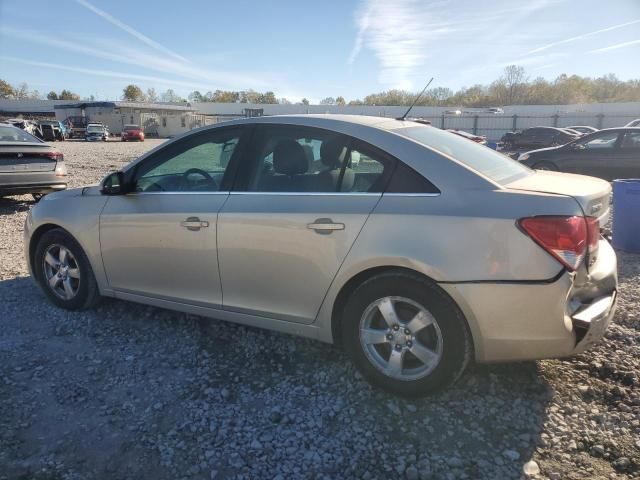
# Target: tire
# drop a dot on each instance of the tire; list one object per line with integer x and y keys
{"x": 545, "y": 166}
{"x": 82, "y": 281}
{"x": 447, "y": 336}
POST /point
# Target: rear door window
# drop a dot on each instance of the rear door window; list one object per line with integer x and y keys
{"x": 601, "y": 141}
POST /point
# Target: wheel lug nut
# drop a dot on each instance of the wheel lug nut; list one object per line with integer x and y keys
{"x": 398, "y": 346}
{"x": 396, "y": 327}
{"x": 407, "y": 331}
{"x": 389, "y": 336}
{"x": 409, "y": 343}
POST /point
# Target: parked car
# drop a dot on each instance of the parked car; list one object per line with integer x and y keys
{"x": 495, "y": 110}
{"x": 584, "y": 129}
{"x": 481, "y": 139}
{"x": 609, "y": 154}
{"x": 28, "y": 126}
{"x": 28, "y": 165}
{"x": 132, "y": 132}
{"x": 633, "y": 123}
{"x": 573, "y": 132}
{"x": 96, "y": 131}
{"x": 375, "y": 257}
{"x": 52, "y": 130}
{"x": 453, "y": 112}
{"x": 537, "y": 137}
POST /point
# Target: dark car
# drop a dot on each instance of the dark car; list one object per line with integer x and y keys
{"x": 609, "y": 154}
{"x": 537, "y": 137}
{"x": 132, "y": 132}
{"x": 29, "y": 165}
{"x": 584, "y": 129}
{"x": 53, "y": 130}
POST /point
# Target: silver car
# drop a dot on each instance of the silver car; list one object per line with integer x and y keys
{"x": 428, "y": 253}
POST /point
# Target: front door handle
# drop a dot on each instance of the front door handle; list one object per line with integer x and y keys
{"x": 325, "y": 225}
{"x": 194, "y": 224}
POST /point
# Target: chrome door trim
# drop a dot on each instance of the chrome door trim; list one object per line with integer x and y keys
{"x": 133, "y": 194}
{"x": 310, "y": 194}
{"x": 412, "y": 194}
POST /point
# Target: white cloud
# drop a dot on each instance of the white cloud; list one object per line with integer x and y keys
{"x": 616, "y": 46}
{"x": 130, "y": 30}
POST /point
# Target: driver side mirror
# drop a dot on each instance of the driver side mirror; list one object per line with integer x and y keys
{"x": 113, "y": 184}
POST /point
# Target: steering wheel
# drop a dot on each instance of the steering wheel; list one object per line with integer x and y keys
{"x": 210, "y": 182}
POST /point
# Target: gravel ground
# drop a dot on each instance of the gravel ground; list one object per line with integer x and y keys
{"x": 128, "y": 391}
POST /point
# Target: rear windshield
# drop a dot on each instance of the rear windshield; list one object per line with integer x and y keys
{"x": 497, "y": 167}
{"x": 94, "y": 129}
{"x": 12, "y": 134}
{"x": 130, "y": 128}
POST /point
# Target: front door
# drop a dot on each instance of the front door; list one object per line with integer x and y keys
{"x": 593, "y": 155}
{"x": 299, "y": 203}
{"x": 160, "y": 239}
{"x": 627, "y": 162}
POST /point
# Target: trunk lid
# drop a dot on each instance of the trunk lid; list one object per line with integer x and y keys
{"x": 26, "y": 157}
{"x": 593, "y": 194}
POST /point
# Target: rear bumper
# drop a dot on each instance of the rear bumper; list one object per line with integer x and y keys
{"x": 32, "y": 187}
{"x": 528, "y": 321}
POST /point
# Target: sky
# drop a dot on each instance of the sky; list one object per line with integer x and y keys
{"x": 310, "y": 49}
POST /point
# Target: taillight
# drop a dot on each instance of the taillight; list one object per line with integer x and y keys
{"x": 565, "y": 238}
{"x": 57, "y": 156}
{"x": 593, "y": 237}
{"x": 61, "y": 170}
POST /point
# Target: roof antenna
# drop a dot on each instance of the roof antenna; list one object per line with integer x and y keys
{"x": 415, "y": 101}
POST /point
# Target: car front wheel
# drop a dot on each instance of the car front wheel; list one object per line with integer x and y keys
{"x": 64, "y": 272}
{"x": 405, "y": 334}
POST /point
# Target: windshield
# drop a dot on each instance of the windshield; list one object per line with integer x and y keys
{"x": 497, "y": 167}
{"x": 12, "y": 134}
{"x": 94, "y": 129}
{"x": 133, "y": 128}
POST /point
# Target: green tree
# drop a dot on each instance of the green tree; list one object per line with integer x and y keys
{"x": 328, "y": 101}
{"x": 52, "y": 95}
{"x": 6, "y": 90}
{"x": 304, "y": 101}
{"x": 195, "y": 96}
{"x": 68, "y": 95}
{"x": 340, "y": 101}
{"x": 133, "y": 93}
{"x": 171, "y": 96}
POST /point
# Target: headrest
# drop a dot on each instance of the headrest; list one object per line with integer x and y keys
{"x": 289, "y": 158}
{"x": 332, "y": 152}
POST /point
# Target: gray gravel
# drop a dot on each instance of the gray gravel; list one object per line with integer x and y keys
{"x": 128, "y": 391}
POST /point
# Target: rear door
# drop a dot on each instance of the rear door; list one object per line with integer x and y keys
{"x": 297, "y": 207}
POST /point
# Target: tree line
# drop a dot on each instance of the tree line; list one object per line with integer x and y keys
{"x": 513, "y": 87}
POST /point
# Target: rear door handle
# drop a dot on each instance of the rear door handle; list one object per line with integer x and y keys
{"x": 325, "y": 225}
{"x": 194, "y": 223}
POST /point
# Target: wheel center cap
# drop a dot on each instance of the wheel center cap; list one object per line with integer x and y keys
{"x": 400, "y": 338}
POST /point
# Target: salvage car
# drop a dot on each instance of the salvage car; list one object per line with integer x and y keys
{"x": 132, "y": 132}
{"x": 609, "y": 154}
{"x": 29, "y": 165}
{"x": 375, "y": 257}
{"x": 537, "y": 137}
{"x": 96, "y": 131}
{"x": 52, "y": 130}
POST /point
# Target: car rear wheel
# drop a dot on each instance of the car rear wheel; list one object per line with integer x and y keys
{"x": 545, "y": 166}
{"x": 405, "y": 335}
{"x": 64, "y": 272}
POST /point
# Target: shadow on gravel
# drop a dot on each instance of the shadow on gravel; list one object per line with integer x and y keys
{"x": 11, "y": 205}
{"x": 133, "y": 391}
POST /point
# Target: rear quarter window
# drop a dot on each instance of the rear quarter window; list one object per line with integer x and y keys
{"x": 489, "y": 163}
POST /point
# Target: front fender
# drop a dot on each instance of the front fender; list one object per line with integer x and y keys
{"x": 76, "y": 213}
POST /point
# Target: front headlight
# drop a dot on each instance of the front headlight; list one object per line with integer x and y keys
{"x": 523, "y": 157}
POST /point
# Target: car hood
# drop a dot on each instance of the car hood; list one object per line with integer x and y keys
{"x": 71, "y": 192}
{"x": 593, "y": 194}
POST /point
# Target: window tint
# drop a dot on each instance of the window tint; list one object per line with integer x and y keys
{"x": 602, "y": 141}
{"x": 488, "y": 162}
{"x": 13, "y": 134}
{"x": 301, "y": 159}
{"x": 631, "y": 141}
{"x": 196, "y": 164}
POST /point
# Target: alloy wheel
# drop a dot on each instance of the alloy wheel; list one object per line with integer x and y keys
{"x": 401, "y": 338}
{"x": 62, "y": 271}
